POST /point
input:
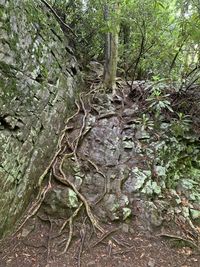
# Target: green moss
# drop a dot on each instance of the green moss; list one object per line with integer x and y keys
{"x": 41, "y": 106}
{"x": 73, "y": 200}
{"x": 7, "y": 69}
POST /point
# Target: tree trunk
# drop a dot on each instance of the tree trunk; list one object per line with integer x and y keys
{"x": 125, "y": 29}
{"x": 37, "y": 88}
{"x": 111, "y": 48}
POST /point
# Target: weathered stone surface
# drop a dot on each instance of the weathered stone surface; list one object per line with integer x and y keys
{"x": 195, "y": 214}
{"x": 37, "y": 87}
{"x": 59, "y": 202}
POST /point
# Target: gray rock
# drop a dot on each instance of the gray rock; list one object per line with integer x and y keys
{"x": 136, "y": 180}
{"x": 125, "y": 227}
{"x": 59, "y": 202}
{"x": 111, "y": 205}
{"x": 153, "y": 214}
{"x": 195, "y": 214}
{"x": 27, "y": 230}
{"x": 129, "y": 112}
{"x": 142, "y": 134}
{"x": 35, "y": 99}
{"x": 156, "y": 219}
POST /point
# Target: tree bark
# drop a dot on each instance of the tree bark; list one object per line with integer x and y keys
{"x": 111, "y": 47}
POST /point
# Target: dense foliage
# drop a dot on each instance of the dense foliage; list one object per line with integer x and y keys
{"x": 156, "y": 39}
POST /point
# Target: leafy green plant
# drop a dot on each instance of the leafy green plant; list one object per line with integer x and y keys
{"x": 159, "y": 101}
{"x": 145, "y": 122}
{"x": 181, "y": 124}
{"x": 181, "y": 159}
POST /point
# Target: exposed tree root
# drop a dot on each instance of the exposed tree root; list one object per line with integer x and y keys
{"x": 77, "y": 139}
{"x": 104, "y": 236}
{"x": 82, "y": 234}
{"x": 188, "y": 242}
{"x": 42, "y": 191}
{"x": 107, "y": 115}
{"x": 70, "y": 236}
{"x": 57, "y": 165}
{"x": 58, "y": 173}
{"x": 121, "y": 252}
{"x": 63, "y": 133}
{"x": 70, "y": 221}
{"x": 63, "y": 179}
{"x": 72, "y": 217}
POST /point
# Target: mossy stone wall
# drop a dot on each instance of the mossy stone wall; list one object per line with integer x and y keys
{"x": 37, "y": 89}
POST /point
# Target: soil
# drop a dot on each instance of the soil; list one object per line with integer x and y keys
{"x": 105, "y": 237}
{"x": 124, "y": 248}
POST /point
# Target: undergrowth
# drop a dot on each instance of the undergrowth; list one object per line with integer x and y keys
{"x": 173, "y": 152}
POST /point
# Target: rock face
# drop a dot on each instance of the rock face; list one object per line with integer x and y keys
{"x": 38, "y": 80}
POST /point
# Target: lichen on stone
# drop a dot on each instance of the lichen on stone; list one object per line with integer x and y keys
{"x": 36, "y": 96}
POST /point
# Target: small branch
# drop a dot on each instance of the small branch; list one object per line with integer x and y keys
{"x": 121, "y": 252}
{"x": 83, "y": 234}
{"x": 192, "y": 71}
{"x": 179, "y": 238}
{"x": 141, "y": 52}
{"x": 104, "y": 236}
{"x": 59, "y": 18}
{"x": 176, "y": 55}
{"x": 192, "y": 82}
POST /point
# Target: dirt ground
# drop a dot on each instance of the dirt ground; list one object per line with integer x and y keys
{"x": 39, "y": 244}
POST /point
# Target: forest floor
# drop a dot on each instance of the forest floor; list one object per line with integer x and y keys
{"x": 123, "y": 248}
{"x": 108, "y": 222}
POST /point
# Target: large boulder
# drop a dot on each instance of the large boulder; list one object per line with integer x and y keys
{"x": 38, "y": 81}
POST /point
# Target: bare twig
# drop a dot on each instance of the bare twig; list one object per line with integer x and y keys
{"x": 104, "y": 236}
{"x": 176, "y": 55}
{"x": 180, "y": 238}
{"x": 124, "y": 251}
{"x": 58, "y": 18}
{"x": 82, "y": 234}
